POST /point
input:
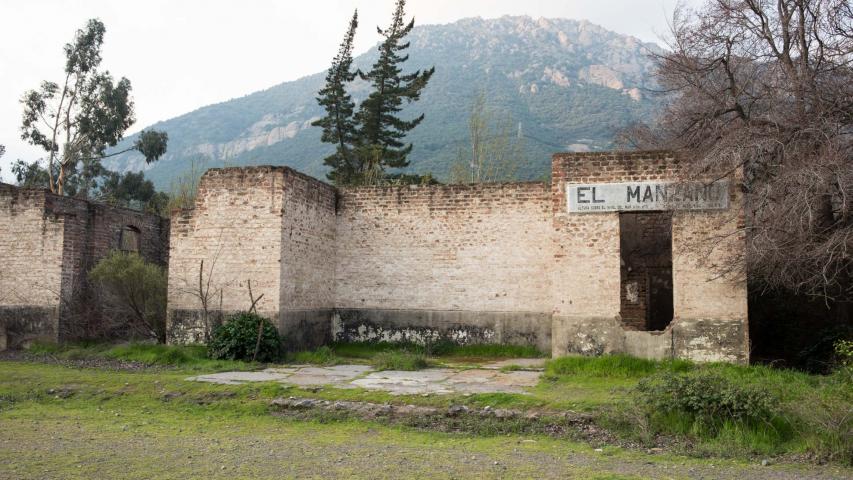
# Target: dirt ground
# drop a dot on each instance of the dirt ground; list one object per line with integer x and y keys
{"x": 55, "y": 446}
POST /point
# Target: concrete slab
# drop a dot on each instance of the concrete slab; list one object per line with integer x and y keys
{"x": 237, "y": 378}
{"x": 429, "y": 381}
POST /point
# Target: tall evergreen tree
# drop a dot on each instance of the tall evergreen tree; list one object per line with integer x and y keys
{"x": 380, "y": 133}
{"x": 338, "y": 125}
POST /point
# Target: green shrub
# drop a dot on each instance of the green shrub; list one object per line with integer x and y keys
{"x": 236, "y": 339}
{"x": 397, "y": 360}
{"x": 707, "y": 398}
{"x": 134, "y": 293}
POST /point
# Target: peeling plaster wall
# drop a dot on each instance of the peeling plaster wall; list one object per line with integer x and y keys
{"x": 308, "y": 260}
{"x": 710, "y": 314}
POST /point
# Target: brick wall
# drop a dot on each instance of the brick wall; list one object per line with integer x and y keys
{"x": 48, "y": 243}
{"x": 31, "y": 252}
{"x": 709, "y": 310}
{"x": 449, "y": 255}
{"x": 308, "y": 260}
{"x": 235, "y": 229}
{"x": 469, "y": 263}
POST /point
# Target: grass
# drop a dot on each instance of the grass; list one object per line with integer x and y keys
{"x": 400, "y": 360}
{"x": 322, "y": 356}
{"x": 612, "y": 366}
{"x": 165, "y": 427}
{"x": 812, "y": 415}
{"x": 367, "y": 350}
{"x": 188, "y": 357}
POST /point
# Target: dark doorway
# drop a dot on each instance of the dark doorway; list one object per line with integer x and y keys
{"x": 645, "y": 244}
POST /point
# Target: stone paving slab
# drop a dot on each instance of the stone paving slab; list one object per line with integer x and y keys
{"x": 428, "y": 381}
{"x": 238, "y": 378}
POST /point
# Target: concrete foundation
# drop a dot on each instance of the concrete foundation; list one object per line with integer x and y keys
{"x": 460, "y": 327}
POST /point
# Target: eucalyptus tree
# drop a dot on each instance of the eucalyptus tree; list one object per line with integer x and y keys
{"x": 77, "y": 119}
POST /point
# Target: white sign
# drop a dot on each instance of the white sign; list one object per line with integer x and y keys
{"x": 618, "y": 197}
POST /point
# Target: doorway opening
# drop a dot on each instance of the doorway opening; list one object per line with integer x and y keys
{"x": 645, "y": 243}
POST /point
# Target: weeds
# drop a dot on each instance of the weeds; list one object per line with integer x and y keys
{"x": 611, "y": 366}
{"x": 322, "y": 356}
{"x": 400, "y": 360}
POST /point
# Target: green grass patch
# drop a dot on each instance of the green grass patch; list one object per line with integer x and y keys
{"x": 186, "y": 357}
{"x": 400, "y": 360}
{"x": 487, "y": 350}
{"x": 611, "y": 366}
{"x": 322, "y": 356}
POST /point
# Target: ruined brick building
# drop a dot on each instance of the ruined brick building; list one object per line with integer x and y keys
{"x": 613, "y": 255}
{"x": 48, "y": 243}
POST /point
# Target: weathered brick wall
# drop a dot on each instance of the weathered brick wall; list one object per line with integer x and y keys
{"x": 711, "y": 317}
{"x": 308, "y": 260}
{"x": 236, "y": 230}
{"x": 31, "y": 250}
{"x": 461, "y": 260}
{"x": 48, "y": 243}
{"x": 710, "y": 310}
{"x": 468, "y": 263}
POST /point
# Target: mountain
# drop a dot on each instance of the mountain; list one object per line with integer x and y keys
{"x": 566, "y": 84}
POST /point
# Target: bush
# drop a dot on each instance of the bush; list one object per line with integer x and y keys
{"x": 707, "y": 398}
{"x": 134, "y": 292}
{"x": 236, "y": 339}
{"x": 397, "y": 360}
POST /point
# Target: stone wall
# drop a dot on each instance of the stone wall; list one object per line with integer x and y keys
{"x": 466, "y": 262}
{"x": 48, "y": 243}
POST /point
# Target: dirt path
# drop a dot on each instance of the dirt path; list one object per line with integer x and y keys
{"x": 68, "y": 446}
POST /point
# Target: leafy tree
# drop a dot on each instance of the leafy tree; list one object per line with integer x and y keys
{"x": 379, "y": 142}
{"x": 338, "y": 125}
{"x": 764, "y": 88}
{"x": 126, "y": 189}
{"x": 77, "y": 120}
{"x": 30, "y": 175}
{"x": 496, "y": 150}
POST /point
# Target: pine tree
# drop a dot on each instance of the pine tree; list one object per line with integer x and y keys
{"x": 338, "y": 124}
{"x": 380, "y": 133}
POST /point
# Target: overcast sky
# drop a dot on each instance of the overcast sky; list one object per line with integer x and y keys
{"x": 181, "y": 55}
